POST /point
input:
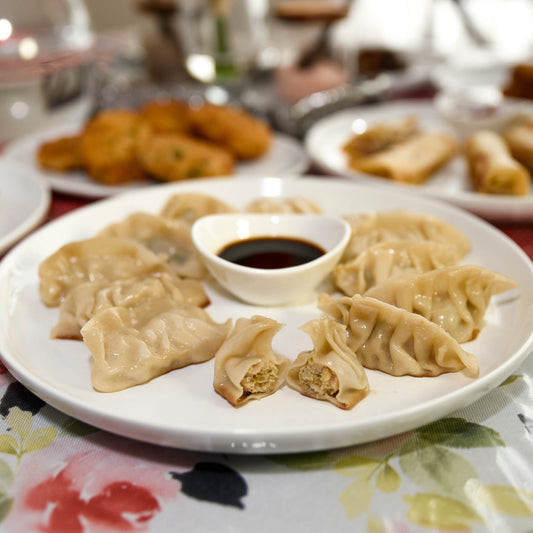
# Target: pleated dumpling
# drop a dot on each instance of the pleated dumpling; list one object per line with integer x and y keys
{"x": 330, "y": 371}
{"x": 246, "y": 367}
{"x": 390, "y": 258}
{"x": 291, "y": 205}
{"x": 371, "y": 228}
{"x": 131, "y": 346}
{"x": 456, "y": 298}
{"x": 87, "y": 299}
{"x": 190, "y": 206}
{"x": 95, "y": 259}
{"x": 395, "y": 341}
{"x": 169, "y": 239}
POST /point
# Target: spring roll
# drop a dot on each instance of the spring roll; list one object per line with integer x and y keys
{"x": 519, "y": 138}
{"x": 411, "y": 161}
{"x": 492, "y": 168}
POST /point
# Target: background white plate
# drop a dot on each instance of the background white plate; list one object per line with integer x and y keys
{"x": 324, "y": 141}
{"x": 181, "y": 408}
{"x": 24, "y": 201}
{"x": 285, "y": 157}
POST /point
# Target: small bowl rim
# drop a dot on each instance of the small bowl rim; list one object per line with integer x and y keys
{"x": 343, "y": 241}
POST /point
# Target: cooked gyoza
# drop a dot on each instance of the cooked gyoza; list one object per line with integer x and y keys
{"x": 131, "y": 346}
{"x": 371, "y": 228}
{"x": 292, "y": 205}
{"x": 456, "y": 297}
{"x": 189, "y": 207}
{"x": 388, "y": 259}
{"x": 169, "y": 239}
{"x": 395, "y": 341}
{"x": 94, "y": 259}
{"x": 87, "y": 299}
{"x": 330, "y": 371}
{"x": 246, "y": 367}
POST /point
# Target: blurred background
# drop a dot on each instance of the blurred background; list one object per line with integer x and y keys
{"x": 283, "y": 59}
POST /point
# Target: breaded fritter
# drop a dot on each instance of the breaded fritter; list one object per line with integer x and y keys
{"x": 244, "y": 135}
{"x": 60, "y": 154}
{"x": 171, "y": 157}
{"x": 109, "y": 146}
{"x": 167, "y": 116}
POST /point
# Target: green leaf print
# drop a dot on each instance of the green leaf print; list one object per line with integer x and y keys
{"x": 6, "y": 476}
{"x": 441, "y": 513}
{"x": 511, "y": 379}
{"x": 460, "y": 433}
{"x": 436, "y": 468}
{"x": 388, "y": 479}
{"x": 39, "y": 439}
{"x": 356, "y": 465}
{"x": 19, "y": 421}
{"x": 504, "y": 499}
{"x": 5, "y": 505}
{"x": 9, "y": 444}
{"x": 76, "y": 428}
{"x": 306, "y": 461}
{"x": 357, "y": 496}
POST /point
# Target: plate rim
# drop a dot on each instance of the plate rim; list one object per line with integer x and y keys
{"x": 277, "y": 441}
{"x": 40, "y": 209}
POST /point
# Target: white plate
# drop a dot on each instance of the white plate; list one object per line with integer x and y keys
{"x": 24, "y": 201}
{"x": 286, "y": 157}
{"x": 181, "y": 408}
{"x": 324, "y": 141}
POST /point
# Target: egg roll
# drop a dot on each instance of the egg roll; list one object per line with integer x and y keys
{"x": 492, "y": 169}
{"x": 519, "y": 139}
{"x": 411, "y": 161}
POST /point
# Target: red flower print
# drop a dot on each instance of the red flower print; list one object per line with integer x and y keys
{"x": 120, "y": 506}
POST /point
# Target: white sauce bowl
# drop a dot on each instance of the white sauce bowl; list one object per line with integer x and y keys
{"x": 259, "y": 286}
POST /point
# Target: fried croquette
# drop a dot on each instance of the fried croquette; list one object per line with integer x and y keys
{"x": 172, "y": 157}
{"x": 61, "y": 154}
{"x": 168, "y": 116}
{"x": 244, "y": 135}
{"x": 109, "y": 146}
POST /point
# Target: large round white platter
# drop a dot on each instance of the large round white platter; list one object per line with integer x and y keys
{"x": 181, "y": 409}
{"x": 325, "y": 139}
{"x": 285, "y": 157}
{"x": 24, "y": 201}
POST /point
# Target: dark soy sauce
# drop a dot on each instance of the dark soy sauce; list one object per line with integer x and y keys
{"x": 271, "y": 252}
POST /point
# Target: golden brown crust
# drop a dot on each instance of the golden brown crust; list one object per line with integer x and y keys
{"x": 169, "y": 116}
{"x": 241, "y": 133}
{"x": 60, "y": 154}
{"x": 109, "y": 145}
{"x": 171, "y": 157}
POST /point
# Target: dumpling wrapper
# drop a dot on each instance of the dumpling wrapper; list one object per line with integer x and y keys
{"x": 330, "y": 371}
{"x": 94, "y": 259}
{"x": 456, "y": 297}
{"x": 189, "y": 207}
{"x": 395, "y": 341}
{"x": 519, "y": 139}
{"x": 411, "y": 161}
{"x": 371, "y": 228}
{"x": 492, "y": 169}
{"x": 388, "y": 259}
{"x": 292, "y": 205}
{"x": 169, "y": 239}
{"x": 87, "y": 299}
{"x": 246, "y": 367}
{"x": 131, "y": 346}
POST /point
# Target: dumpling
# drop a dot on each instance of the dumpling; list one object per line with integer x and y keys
{"x": 87, "y": 299}
{"x": 191, "y": 206}
{"x": 395, "y": 341}
{"x": 130, "y": 346}
{"x": 371, "y": 228}
{"x": 330, "y": 371}
{"x": 246, "y": 367}
{"x": 390, "y": 258}
{"x": 94, "y": 259}
{"x": 169, "y": 239}
{"x": 292, "y": 205}
{"x": 456, "y": 297}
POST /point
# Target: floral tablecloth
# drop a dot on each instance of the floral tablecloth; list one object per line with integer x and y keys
{"x": 471, "y": 471}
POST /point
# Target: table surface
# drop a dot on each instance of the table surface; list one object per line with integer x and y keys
{"x": 471, "y": 471}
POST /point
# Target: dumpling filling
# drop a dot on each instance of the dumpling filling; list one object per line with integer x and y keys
{"x": 318, "y": 380}
{"x": 263, "y": 377}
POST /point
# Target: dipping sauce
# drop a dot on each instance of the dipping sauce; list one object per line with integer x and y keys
{"x": 271, "y": 252}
